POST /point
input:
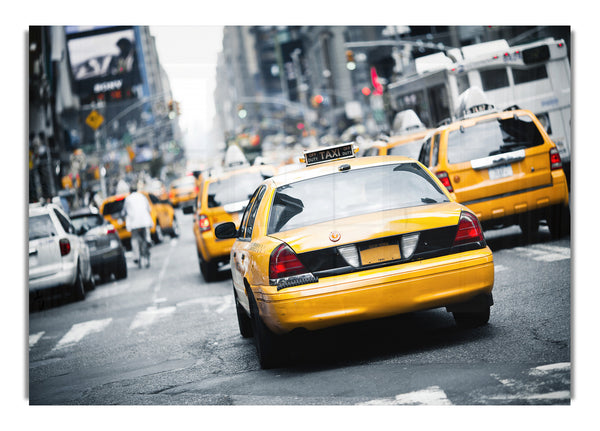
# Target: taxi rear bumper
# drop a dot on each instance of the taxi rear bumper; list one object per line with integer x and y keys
{"x": 377, "y": 293}
{"x": 535, "y": 199}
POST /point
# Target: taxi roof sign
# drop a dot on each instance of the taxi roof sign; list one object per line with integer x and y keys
{"x": 327, "y": 154}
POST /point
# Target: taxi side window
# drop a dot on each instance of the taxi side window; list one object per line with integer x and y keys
{"x": 436, "y": 150}
{"x": 153, "y": 199}
{"x": 424, "y": 155}
{"x": 250, "y": 214}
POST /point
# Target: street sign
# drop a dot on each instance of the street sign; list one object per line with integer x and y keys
{"x": 94, "y": 120}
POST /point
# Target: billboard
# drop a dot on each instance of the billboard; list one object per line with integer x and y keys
{"x": 103, "y": 61}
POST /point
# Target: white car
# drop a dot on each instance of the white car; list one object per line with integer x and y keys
{"x": 58, "y": 258}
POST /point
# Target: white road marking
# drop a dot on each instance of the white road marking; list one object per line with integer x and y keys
{"x": 499, "y": 268}
{"x": 544, "y": 252}
{"x": 550, "y": 368}
{"x": 149, "y": 316}
{"x": 80, "y": 330}
{"x": 431, "y": 396}
{"x": 34, "y": 338}
{"x": 211, "y": 303}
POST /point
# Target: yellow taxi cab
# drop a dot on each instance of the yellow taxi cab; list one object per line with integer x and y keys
{"x": 222, "y": 198}
{"x": 502, "y": 165}
{"x": 404, "y": 145}
{"x": 183, "y": 193}
{"x": 350, "y": 239}
{"x": 163, "y": 217}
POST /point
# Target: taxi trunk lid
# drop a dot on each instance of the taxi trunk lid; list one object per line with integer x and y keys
{"x": 372, "y": 226}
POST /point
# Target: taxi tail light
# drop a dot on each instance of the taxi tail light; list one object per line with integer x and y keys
{"x": 555, "y": 161}
{"x": 203, "y": 223}
{"x": 65, "y": 246}
{"x": 284, "y": 263}
{"x": 469, "y": 229}
{"x": 445, "y": 179}
{"x": 110, "y": 229}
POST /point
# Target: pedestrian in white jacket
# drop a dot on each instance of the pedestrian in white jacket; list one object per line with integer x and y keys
{"x": 138, "y": 220}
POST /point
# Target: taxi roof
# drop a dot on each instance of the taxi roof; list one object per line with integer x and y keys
{"x": 334, "y": 166}
{"x": 229, "y": 173}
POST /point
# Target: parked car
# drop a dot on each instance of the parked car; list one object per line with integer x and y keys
{"x": 107, "y": 253}
{"x": 353, "y": 239}
{"x": 59, "y": 260}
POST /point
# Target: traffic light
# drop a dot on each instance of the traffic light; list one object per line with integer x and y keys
{"x": 366, "y": 91}
{"x": 350, "y": 63}
{"x": 317, "y": 100}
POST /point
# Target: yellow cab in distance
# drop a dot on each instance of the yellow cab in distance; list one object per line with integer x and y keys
{"x": 222, "y": 198}
{"x": 349, "y": 239}
{"x": 405, "y": 145}
{"x": 502, "y": 165}
{"x": 183, "y": 193}
{"x": 163, "y": 217}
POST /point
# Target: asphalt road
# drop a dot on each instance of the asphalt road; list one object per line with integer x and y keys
{"x": 163, "y": 336}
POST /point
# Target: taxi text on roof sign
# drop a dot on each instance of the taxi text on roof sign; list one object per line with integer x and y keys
{"x": 322, "y": 155}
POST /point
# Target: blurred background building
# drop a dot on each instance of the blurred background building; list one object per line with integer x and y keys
{"x": 101, "y": 106}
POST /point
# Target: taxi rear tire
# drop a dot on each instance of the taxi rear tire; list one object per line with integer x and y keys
{"x": 472, "y": 319}
{"x": 209, "y": 270}
{"x": 559, "y": 221}
{"x": 244, "y": 322}
{"x": 157, "y": 236}
{"x": 268, "y": 344}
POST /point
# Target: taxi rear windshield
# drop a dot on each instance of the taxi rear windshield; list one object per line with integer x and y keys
{"x": 488, "y": 138}
{"x": 351, "y": 193}
{"x": 236, "y": 188}
{"x": 114, "y": 207}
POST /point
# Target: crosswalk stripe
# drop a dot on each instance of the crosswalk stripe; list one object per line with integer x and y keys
{"x": 431, "y": 396}
{"x": 544, "y": 253}
{"x": 149, "y": 316}
{"x": 80, "y": 330}
{"x": 34, "y": 338}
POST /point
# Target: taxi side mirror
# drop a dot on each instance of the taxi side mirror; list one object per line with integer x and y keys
{"x": 226, "y": 230}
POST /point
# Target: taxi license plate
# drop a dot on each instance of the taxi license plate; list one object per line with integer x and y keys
{"x": 380, "y": 253}
{"x": 500, "y": 172}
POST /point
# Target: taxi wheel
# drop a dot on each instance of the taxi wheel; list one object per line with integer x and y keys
{"x": 174, "y": 232}
{"x": 472, "y": 319}
{"x": 530, "y": 228}
{"x": 267, "y": 344}
{"x": 559, "y": 221}
{"x": 244, "y": 321}
{"x": 209, "y": 270}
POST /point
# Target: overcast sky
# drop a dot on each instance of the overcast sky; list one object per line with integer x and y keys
{"x": 189, "y": 56}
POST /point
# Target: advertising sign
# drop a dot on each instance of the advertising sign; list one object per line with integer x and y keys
{"x": 103, "y": 60}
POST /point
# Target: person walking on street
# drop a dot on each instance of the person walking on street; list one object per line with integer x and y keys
{"x": 138, "y": 221}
